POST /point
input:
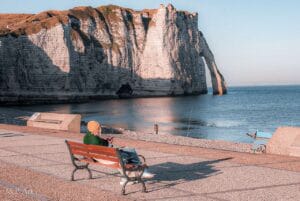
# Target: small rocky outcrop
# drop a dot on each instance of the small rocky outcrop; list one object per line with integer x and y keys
{"x": 102, "y": 52}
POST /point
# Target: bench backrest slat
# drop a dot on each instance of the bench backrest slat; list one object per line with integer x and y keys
{"x": 108, "y": 150}
{"x": 95, "y": 156}
{"x": 94, "y": 151}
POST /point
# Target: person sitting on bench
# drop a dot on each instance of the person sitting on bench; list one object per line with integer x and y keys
{"x": 128, "y": 155}
{"x": 93, "y": 135}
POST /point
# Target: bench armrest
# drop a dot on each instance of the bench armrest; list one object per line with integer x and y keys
{"x": 132, "y": 167}
{"x": 142, "y": 159}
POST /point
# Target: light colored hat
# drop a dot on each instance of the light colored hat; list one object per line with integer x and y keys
{"x": 93, "y": 126}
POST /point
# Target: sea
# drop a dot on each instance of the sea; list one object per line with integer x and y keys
{"x": 229, "y": 117}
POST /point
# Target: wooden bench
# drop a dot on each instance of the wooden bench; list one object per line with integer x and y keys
{"x": 83, "y": 155}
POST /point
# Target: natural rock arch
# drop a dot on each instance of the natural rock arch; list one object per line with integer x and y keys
{"x": 217, "y": 79}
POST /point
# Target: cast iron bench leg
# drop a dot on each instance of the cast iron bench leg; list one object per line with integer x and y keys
{"x": 144, "y": 190}
{"x": 123, "y": 188}
{"x": 72, "y": 176}
{"x": 82, "y": 167}
{"x": 89, "y": 170}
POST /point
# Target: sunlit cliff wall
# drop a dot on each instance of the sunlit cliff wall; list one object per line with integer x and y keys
{"x": 102, "y": 52}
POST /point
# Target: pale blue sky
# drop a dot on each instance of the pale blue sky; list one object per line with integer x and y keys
{"x": 255, "y": 42}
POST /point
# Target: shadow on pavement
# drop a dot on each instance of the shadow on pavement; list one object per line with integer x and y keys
{"x": 177, "y": 173}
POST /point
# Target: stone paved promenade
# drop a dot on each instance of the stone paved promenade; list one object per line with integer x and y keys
{"x": 35, "y": 165}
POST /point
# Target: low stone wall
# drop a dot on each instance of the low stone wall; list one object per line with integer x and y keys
{"x": 65, "y": 122}
{"x": 285, "y": 141}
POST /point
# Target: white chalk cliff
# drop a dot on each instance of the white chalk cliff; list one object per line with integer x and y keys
{"x": 102, "y": 52}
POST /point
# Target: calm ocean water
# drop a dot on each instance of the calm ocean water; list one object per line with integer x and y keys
{"x": 229, "y": 117}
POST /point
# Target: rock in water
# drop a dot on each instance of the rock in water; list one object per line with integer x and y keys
{"x": 108, "y": 51}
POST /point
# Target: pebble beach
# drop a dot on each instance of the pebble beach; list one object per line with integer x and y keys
{"x": 186, "y": 141}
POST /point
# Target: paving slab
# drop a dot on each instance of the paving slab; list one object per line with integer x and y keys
{"x": 290, "y": 192}
{"x": 181, "y": 175}
{"x": 27, "y": 161}
{"x": 19, "y": 183}
{"x": 6, "y": 153}
{"x": 8, "y": 194}
{"x": 38, "y": 149}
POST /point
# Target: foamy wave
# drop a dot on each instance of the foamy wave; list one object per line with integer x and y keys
{"x": 224, "y": 124}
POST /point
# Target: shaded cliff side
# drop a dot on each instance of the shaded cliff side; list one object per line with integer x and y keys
{"x": 107, "y": 51}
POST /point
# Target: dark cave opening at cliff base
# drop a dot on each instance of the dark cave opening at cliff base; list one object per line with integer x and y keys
{"x": 125, "y": 91}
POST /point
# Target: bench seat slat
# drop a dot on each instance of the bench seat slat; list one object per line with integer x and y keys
{"x": 80, "y": 153}
{"x": 103, "y": 157}
{"x": 102, "y": 149}
{"x": 114, "y": 166}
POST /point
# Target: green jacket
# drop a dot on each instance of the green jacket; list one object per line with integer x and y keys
{"x": 89, "y": 138}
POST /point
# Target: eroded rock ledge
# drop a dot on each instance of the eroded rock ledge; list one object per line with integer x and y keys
{"x": 103, "y": 52}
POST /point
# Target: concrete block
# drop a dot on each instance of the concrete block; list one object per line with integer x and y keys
{"x": 65, "y": 122}
{"x": 285, "y": 141}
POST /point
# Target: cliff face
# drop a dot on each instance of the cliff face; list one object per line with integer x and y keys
{"x": 103, "y": 52}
